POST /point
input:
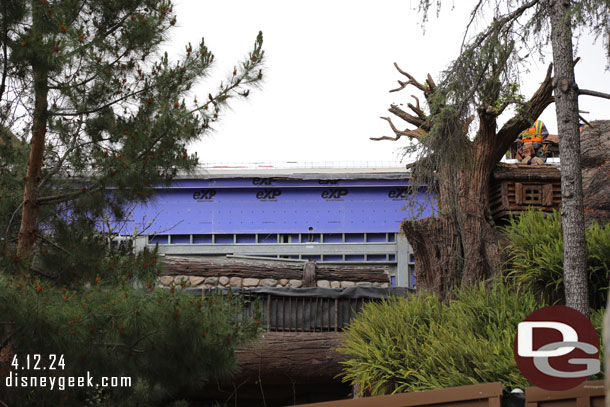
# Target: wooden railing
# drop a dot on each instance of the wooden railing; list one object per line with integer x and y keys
{"x": 588, "y": 394}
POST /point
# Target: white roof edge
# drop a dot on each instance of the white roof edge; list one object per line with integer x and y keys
{"x": 291, "y": 172}
{"x": 296, "y": 169}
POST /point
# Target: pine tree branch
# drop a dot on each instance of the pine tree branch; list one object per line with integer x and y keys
{"x": 222, "y": 95}
{"x": 148, "y": 335}
{"x": 100, "y": 38}
{"x": 97, "y": 109}
{"x": 62, "y": 159}
{"x": 55, "y": 245}
{"x": 499, "y": 23}
{"x": 10, "y": 221}
{"x": 586, "y": 92}
{"x": 473, "y": 15}
{"x": 87, "y": 80}
{"x": 68, "y": 196}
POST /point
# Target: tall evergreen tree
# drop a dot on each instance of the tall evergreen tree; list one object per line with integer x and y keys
{"x": 572, "y": 196}
{"x": 92, "y": 116}
{"x": 83, "y": 84}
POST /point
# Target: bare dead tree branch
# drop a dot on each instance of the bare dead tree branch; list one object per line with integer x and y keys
{"x": 411, "y": 81}
{"x": 415, "y": 121}
{"x": 585, "y": 121}
{"x": 416, "y": 134}
{"x": 586, "y": 92}
{"x": 422, "y": 115}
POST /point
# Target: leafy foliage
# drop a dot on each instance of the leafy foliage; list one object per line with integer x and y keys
{"x": 402, "y": 345}
{"x": 120, "y": 331}
{"x": 536, "y": 256}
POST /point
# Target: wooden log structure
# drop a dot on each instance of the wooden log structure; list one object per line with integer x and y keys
{"x": 278, "y": 355}
{"x": 519, "y": 187}
{"x": 283, "y": 368}
{"x": 212, "y": 267}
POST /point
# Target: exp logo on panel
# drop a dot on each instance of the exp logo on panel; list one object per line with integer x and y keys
{"x": 334, "y": 193}
{"x": 268, "y": 194}
{"x": 399, "y": 193}
{"x": 262, "y": 181}
{"x": 205, "y": 195}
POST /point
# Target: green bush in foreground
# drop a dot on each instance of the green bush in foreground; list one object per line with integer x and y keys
{"x": 401, "y": 345}
{"x": 536, "y": 256}
{"x": 165, "y": 341}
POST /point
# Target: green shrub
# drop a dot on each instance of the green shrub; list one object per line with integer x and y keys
{"x": 402, "y": 345}
{"x": 536, "y": 256}
{"x": 164, "y": 340}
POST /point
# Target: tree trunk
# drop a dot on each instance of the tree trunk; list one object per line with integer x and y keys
{"x": 29, "y": 217}
{"x": 438, "y": 254}
{"x": 482, "y": 256}
{"x": 572, "y": 207}
{"x": 461, "y": 245}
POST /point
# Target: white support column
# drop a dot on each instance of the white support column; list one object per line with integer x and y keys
{"x": 139, "y": 243}
{"x": 404, "y": 250}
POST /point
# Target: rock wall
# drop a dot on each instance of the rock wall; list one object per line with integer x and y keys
{"x": 239, "y": 282}
{"x": 213, "y": 272}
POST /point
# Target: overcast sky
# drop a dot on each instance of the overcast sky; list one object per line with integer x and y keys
{"x": 329, "y": 67}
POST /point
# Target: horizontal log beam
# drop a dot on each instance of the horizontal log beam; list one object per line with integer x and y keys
{"x": 280, "y": 355}
{"x": 194, "y": 266}
{"x": 197, "y": 266}
{"x": 522, "y": 172}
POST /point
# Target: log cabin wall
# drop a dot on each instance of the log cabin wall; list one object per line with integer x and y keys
{"x": 515, "y": 188}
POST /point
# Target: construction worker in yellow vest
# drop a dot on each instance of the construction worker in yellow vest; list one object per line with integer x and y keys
{"x": 532, "y": 139}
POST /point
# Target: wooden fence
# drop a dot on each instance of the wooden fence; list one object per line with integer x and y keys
{"x": 588, "y": 394}
{"x": 309, "y": 310}
{"x": 479, "y": 395}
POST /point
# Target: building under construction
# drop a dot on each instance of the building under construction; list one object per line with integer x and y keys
{"x": 326, "y": 215}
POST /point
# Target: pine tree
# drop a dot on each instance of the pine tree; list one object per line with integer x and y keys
{"x": 92, "y": 116}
